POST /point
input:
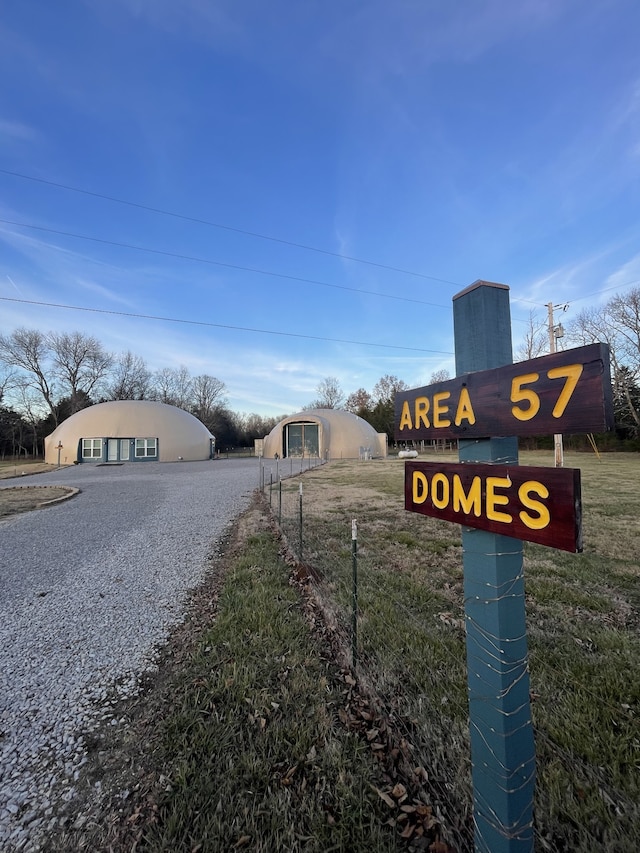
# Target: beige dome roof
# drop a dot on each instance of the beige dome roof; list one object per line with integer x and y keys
{"x": 340, "y": 435}
{"x": 179, "y": 434}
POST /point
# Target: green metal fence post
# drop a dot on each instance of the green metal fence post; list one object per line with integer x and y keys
{"x": 300, "y": 513}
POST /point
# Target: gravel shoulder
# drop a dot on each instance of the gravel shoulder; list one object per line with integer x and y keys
{"x": 89, "y": 592}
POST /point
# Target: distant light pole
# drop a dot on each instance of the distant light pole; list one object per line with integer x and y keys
{"x": 556, "y": 332}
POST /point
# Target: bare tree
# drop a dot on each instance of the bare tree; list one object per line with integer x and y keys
{"x": 254, "y": 426}
{"x": 536, "y": 339}
{"x": 359, "y": 401}
{"x": 130, "y": 378}
{"x": 29, "y": 351}
{"x": 8, "y": 380}
{"x": 387, "y": 387}
{"x": 81, "y": 363}
{"x": 330, "y": 395}
{"x": 31, "y": 413}
{"x": 172, "y": 385}
{"x": 624, "y": 312}
{"x": 439, "y": 376}
{"x": 208, "y": 396}
{"x": 617, "y": 324}
{"x": 384, "y": 392}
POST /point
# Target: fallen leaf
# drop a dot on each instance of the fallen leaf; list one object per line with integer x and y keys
{"x": 384, "y": 797}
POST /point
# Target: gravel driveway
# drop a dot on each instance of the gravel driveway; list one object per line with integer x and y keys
{"x": 88, "y": 590}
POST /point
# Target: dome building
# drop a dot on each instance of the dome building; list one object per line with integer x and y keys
{"x": 129, "y": 431}
{"x": 325, "y": 433}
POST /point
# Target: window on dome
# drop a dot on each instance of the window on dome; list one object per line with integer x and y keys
{"x": 91, "y": 448}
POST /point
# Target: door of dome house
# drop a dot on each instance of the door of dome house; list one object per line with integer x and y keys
{"x": 301, "y": 440}
{"x": 118, "y": 449}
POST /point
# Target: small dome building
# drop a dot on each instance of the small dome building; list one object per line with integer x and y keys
{"x": 325, "y": 433}
{"x": 129, "y": 431}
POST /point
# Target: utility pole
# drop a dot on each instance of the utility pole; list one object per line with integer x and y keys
{"x": 554, "y": 333}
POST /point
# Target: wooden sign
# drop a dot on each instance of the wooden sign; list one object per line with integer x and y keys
{"x": 534, "y": 504}
{"x": 564, "y": 392}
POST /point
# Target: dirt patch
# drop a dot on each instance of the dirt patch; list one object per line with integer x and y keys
{"x": 22, "y": 469}
{"x": 15, "y": 499}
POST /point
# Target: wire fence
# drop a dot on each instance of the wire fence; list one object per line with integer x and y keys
{"x": 405, "y": 639}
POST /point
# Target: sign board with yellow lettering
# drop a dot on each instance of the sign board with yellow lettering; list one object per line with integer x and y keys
{"x": 534, "y": 504}
{"x": 565, "y": 392}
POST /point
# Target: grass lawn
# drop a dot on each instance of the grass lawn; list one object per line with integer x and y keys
{"x": 16, "y": 468}
{"x": 584, "y": 642}
{"x": 253, "y": 735}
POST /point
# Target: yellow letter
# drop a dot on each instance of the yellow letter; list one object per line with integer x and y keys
{"x": 494, "y": 483}
{"x": 420, "y": 494}
{"x": 470, "y": 501}
{"x": 439, "y": 501}
{"x": 405, "y": 417}
{"x": 543, "y": 517}
{"x": 465, "y": 412}
{"x": 439, "y": 409}
{"x": 422, "y": 407}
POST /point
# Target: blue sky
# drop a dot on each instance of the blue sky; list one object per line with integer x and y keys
{"x": 493, "y": 139}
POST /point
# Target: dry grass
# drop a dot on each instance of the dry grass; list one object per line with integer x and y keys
{"x": 583, "y": 623}
{"x": 16, "y": 499}
{"x": 22, "y": 469}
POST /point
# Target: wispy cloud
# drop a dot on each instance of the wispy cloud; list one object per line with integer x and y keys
{"x": 197, "y": 19}
{"x": 103, "y": 292}
{"x": 16, "y": 131}
{"x": 625, "y": 276}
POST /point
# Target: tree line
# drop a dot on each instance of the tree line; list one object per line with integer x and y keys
{"x": 46, "y": 377}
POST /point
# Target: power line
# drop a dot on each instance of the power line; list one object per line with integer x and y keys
{"x": 605, "y": 289}
{"x": 217, "y": 325}
{"x": 211, "y": 224}
{"x": 579, "y": 298}
{"x": 260, "y": 236}
{"x": 211, "y": 262}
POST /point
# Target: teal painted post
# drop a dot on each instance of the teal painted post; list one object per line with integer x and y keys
{"x": 354, "y": 621}
{"x": 502, "y": 744}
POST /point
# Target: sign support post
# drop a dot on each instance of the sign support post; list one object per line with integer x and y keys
{"x": 502, "y": 744}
